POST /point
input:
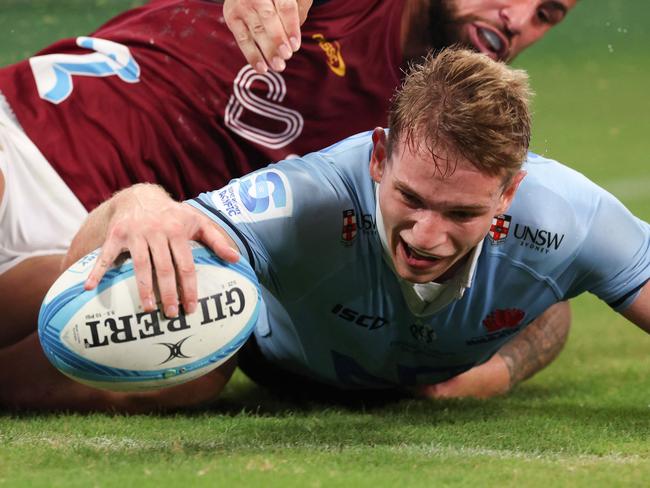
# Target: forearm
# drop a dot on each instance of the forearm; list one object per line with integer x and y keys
{"x": 92, "y": 233}
{"x": 538, "y": 345}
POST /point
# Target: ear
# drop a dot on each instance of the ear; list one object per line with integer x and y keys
{"x": 509, "y": 192}
{"x": 378, "y": 156}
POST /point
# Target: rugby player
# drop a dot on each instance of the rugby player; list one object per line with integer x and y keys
{"x": 162, "y": 94}
{"x": 446, "y": 269}
{"x": 268, "y": 31}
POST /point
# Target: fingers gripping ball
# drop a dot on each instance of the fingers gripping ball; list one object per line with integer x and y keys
{"x": 103, "y": 337}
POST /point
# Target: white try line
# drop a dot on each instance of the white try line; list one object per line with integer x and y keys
{"x": 116, "y": 444}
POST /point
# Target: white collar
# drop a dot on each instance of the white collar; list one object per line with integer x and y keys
{"x": 427, "y": 298}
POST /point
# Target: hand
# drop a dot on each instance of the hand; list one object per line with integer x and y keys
{"x": 267, "y": 31}
{"x": 490, "y": 379}
{"x": 146, "y": 222}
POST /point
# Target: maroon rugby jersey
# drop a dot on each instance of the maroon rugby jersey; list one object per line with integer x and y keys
{"x": 197, "y": 115}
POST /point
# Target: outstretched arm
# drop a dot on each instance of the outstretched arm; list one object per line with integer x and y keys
{"x": 517, "y": 360}
{"x": 145, "y": 221}
{"x": 267, "y": 31}
{"x": 639, "y": 311}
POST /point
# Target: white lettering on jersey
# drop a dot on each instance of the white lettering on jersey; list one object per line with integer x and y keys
{"x": 53, "y": 72}
{"x": 243, "y": 99}
{"x": 263, "y": 195}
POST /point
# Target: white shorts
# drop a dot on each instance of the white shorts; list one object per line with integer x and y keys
{"x": 39, "y": 214}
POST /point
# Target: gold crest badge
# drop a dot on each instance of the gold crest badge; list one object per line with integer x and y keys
{"x": 333, "y": 52}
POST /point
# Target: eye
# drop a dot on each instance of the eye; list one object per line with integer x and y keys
{"x": 551, "y": 13}
{"x": 462, "y": 215}
{"x": 410, "y": 199}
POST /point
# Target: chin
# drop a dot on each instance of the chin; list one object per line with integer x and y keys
{"x": 415, "y": 277}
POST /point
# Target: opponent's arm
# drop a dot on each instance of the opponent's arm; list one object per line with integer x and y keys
{"x": 519, "y": 359}
{"x": 639, "y": 311}
{"x": 266, "y": 31}
{"x": 145, "y": 221}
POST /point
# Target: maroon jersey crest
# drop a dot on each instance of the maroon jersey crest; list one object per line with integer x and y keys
{"x": 499, "y": 228}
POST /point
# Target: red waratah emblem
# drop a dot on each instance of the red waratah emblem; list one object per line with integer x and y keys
{"x": 503, "y": 319}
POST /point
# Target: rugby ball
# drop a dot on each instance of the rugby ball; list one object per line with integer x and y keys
{"x": 104, "y": 338}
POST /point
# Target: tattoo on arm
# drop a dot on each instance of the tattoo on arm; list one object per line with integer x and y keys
{"x": 538, "y": 345}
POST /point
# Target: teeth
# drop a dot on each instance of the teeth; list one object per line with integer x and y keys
{"x": 493, "y": 40}
{"x": 417, "y": 253}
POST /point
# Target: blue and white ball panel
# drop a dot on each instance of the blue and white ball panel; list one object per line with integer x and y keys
{"x": 103, "y": 337}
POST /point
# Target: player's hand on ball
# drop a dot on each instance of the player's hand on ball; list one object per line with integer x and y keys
{"x": 156, "y": 231}
{"x": 267, "y": 31}
{"x": 490, "y": 379}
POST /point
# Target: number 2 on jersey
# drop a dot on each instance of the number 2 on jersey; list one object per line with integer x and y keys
{"x": 53, "y": 72}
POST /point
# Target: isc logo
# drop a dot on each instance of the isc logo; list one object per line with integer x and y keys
{"x": 370, "y": 322}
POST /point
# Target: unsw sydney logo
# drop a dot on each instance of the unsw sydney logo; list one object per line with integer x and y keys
{"x": 540, "y": 240}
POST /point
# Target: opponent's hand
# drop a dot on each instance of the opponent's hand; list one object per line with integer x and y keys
{"x": 490, "y": 379}
{"x": 156, "y": 231}
{"x": 267, "y": 31}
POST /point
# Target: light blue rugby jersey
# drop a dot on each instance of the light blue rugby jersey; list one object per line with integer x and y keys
{"x": 334, "y": 308}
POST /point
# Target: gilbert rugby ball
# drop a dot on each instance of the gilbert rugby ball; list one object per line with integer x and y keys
{"x": 103, "y": 337}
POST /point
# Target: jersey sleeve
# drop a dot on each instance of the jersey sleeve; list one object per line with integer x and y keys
{"x": 615, "y": 256}
{"x": 281, "y": 214}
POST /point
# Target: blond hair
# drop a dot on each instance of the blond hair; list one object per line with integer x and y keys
{"x": 462, "y": 103}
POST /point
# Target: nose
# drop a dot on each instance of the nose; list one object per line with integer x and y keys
{"x": 429, "y": 232}
{"x": 518, "y": 14}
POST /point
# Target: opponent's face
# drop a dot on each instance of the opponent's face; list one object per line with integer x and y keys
{"x": 503, "y": 28}
{"x": 433, "y": 221}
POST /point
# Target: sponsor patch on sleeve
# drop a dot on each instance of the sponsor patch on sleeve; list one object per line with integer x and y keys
{"x": 263, "y": 195}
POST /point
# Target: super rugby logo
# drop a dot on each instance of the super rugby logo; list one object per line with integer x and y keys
{"x": 258, "y": 97}
{"x": 264, "y": 195}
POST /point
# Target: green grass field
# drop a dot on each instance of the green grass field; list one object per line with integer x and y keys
{"x": 584, "y": 421}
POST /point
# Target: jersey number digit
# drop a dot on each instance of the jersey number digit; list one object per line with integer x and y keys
{"x": 243, "y": 99}
{"x": 53, "y": 72}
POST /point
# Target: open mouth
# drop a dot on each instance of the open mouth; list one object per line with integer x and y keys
{"x": 416, "y": 258}
{"x": 488, "y": 40}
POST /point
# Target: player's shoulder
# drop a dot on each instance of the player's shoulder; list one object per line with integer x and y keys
{"x": 550, "y": 216}
{"x": 552, "y": 190}
{"x": 312, "y": 184}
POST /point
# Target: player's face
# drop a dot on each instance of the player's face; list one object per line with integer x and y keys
{"x": 503, "y": 28}
{"x": 433, "y": 221}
